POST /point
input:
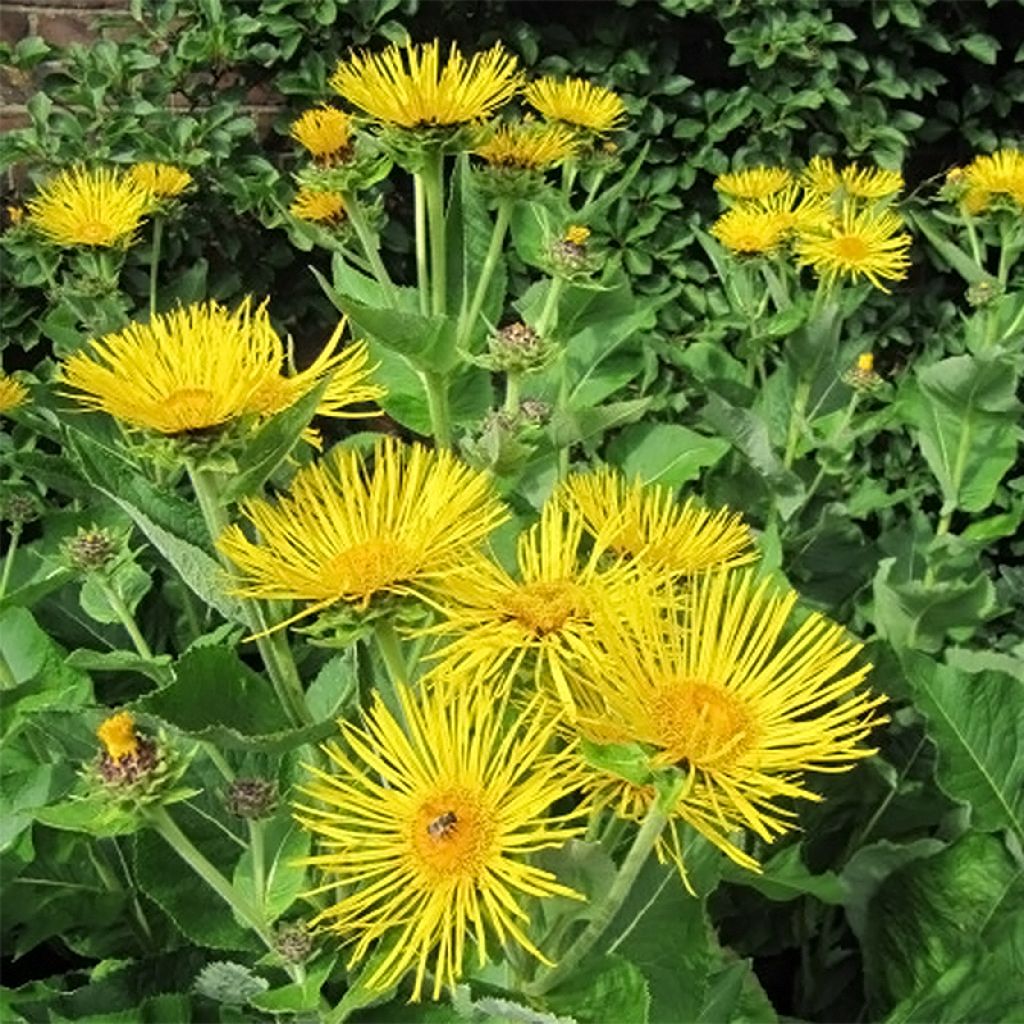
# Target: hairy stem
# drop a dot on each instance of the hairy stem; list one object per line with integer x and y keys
{"x": 12, "y": 547}
{"x": 433, "y": 177}
{"x": 154, "y": 262}
{"x": 124, "y": 614}
{"x": 422, "y": 269}
{"x": 370, "y": 244}
{"x": 501, "y": 220}
{"x": 436, "y": 386}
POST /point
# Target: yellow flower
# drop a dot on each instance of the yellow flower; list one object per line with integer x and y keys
{"x": 347, "y": 533}
{"x": 426, "y": 831}
{"x": 736, "y": 695}
{"x": 754, "y": 183}
{"x": 117, "y": 734}
{"x": 577, "y": 102}
{"x": 645, "y": 522}
{"x": 83, "y": 207}
{"x": 408, "y": 87}
{"x": 859, "y": 243}
{"x": 1001, "y": 174}
{"x": 866, "y": 362}
{"x": 12, "y": 393}
{"x": 749, "y": 229}
{"x": 544, "y": 615}
{"x": 820, "y": 177}
{"x": 576, "y": 234}
{"x": 325, "y": 131}
{"x": 526, "y": 146}
{"x": 870, "y": 182}
{"x": 318, "y": 207}
{"x": 203, "y": 366}
{"x": 164, "y": 181}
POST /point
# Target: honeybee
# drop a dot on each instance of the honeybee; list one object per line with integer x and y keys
{"x": 443, "y": 825}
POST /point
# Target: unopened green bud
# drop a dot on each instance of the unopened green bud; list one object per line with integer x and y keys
{"x": 518, "y": 348}
{"x": 20, "y": 508}
{"x": 293, "y": 942}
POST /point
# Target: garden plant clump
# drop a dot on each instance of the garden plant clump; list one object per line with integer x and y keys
{"x": 416, "y": 605}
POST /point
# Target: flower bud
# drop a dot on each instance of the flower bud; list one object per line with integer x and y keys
{"x": 518, "y": 348}
{"x": 534, "y": 411}
{"x": 982, "y": 292}
{"x": 569, "y": 253}
{"x": 127, "y": 757}
{"x": 91, "y": 549}
{"x": 863, "y": 377}
{"x": 251, "y": 798}
{"x": 293, "y": 943}
{"x": 20, "y": 508}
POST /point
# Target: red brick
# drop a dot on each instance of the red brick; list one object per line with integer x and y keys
{"x": 12, "y": 117}
{"x": 14, "y": 25}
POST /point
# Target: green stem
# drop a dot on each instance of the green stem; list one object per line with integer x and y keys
{"x": 796, "y": 419}
{"x": 259, "y": 876}
{"x": 124, "y": 614}
{"x": 501, "y": 221}
{"x": 841, "y": 429}
{"x": 274, "y": 649}
{"x": 569, "y": 170}
{"x": 608, "y": 905}
{"x": 436, "y": 386}
{"x": 219, "y": 762}
{"x": 168, "y": 830}
{"x": 422, "y": 269}
{"x": 369, "y": 243}
{"x": 972, "y": 236}
{"x": 433, "y": 178}
{"x": 592, "y": 191}
{"x": 12, "y": 547}
{"x": 511, "y": 406}
{"x": 390, "y": 650}
{"x": 548, "y": 318}
{"x": 154, "y": 262}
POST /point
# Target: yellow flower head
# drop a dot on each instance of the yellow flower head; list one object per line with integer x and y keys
{"x": 346, "y": 533}
{"x": 117, "y": 734}
{"x": 820, "y": 177}
{"x": 796, "y": 213}
{"x": 545, "y": 614}
{"x": 318, "y": 207}
{"x": 644, "y": 521}
{"x": 201, "y": 367}
{"x": 1001, "y": 174}
{"x": 754, "y": 183}
{"x": 576, "y": 234}
{"x": 525, "y": 146}
{"x": 15, "y": 215}
{"x": 859, "y": 243}
{"x": 164, "y": 181}
{"x": 12, "y": 393}
{"x": 82, "y": 207}
{"x": 577, "y": 102}
{"x": 870, "y": 182}
{"x": 325, "y": 131}
{"x": 749, "y": 229}
{"x": 738, "y": 697}
{"x": 426, "y": 830}
{"x": 409, "y": 87}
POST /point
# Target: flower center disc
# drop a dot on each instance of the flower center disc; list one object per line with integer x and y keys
{"x": 852, "y": 248}
{"x": 546, "y": 607}
{"x": 453, "y": 834}
{"x": 369, "y": 566}
{"x": 191, "y": 409}
{"x": 94, "y": 232}
{"x": 702, "y": 724}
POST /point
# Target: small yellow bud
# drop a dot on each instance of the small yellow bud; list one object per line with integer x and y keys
{"x": 576, "y": 234}
{"x": 866, "y": 362}
{"x": 117, "y": 734}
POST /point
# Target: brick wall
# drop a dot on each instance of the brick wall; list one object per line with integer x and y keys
{"x": 61, "y": 23}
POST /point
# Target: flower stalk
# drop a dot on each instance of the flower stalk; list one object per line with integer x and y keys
{"x": 154, "y": 262}
{"x": 370, "y": 244}
{"x": 124, "y": 615}
{"x": 501, "y": 222}
{"x": 433, "y": 180}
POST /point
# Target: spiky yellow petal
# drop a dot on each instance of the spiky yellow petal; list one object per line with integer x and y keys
{"x": 346, "y": 532}
{"x": 754, "y": 183}
{"x": 1000, "y": 174}
{"x": 644, "y": 521}
{"x": 12, "y": 393}
{"x": 408, "y": 86}
{"x": 734, "y": 693}
{"x": 859, "y": 243}
{"x": 101, "y": 208}
{"x": 325, "y": 131}
{"x": 870, "y": 182}
{"x": 425, "y": 828}
{"x": 164, "y": 181}
{"x": 527, "y": 146}
{"x": 577, "y": 102}
{"x": 748, "y": 229}
{"x": 117, "y": 734}
{"x": 318, "y": 207}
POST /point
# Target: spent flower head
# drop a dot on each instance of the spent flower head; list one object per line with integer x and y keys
{"x": 92, "y": 549}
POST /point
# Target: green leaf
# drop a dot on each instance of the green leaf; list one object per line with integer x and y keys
{"x": 157, "y": 668}
{"x": 932, "y": 911}
{"x": 964, "y": 414}
{"x": 735, "y": 995}
{"x": 297, "y": 997}
{"x": 284, "y": 843}
{"x": 786, "y": 877}
{"x": 975, "y": 723}
{"x": 215, "y": 697}
{"x": 610, "y": 989}
{"x": 130, "y": 583}
{"x": 665, "y": 453}
{"x": 95, "y": 816}
{"x": 628, "y": 761}
{"x": 271, "y": 445}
